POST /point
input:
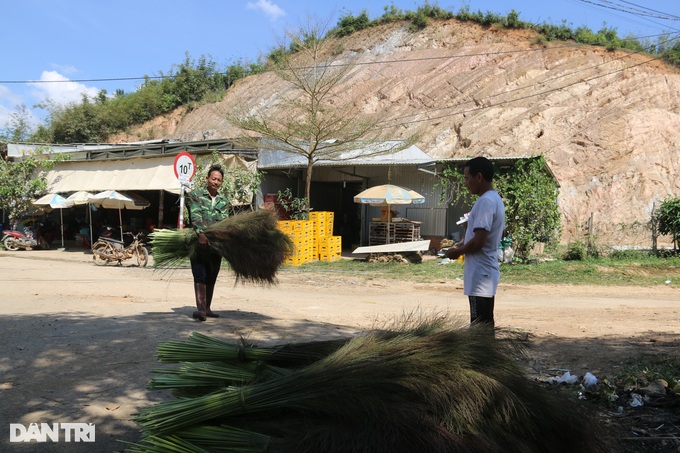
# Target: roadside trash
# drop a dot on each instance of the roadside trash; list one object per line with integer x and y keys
{"x": 566, "y": 378}
{"x": 636, "y": 400}
{"x": 676, "y": 387}
{"x": 589, "y": 380}
{"x": 444, "y": 261}
{"x": 668, "y": 282}
{"x": 505, "y": 251}
{"x": 655, "y": 389}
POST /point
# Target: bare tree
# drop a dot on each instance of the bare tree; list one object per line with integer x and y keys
{"x": 309, "y": 119}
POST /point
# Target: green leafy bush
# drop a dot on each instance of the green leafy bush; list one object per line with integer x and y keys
{"x": 531, "y": 211}
{"x": 668, "y": 220}
{"x": 297, "y": 208}
{"x": 576, "y": 251}
{"x": 95, "y": 119}
{"x": 349, "y": 24}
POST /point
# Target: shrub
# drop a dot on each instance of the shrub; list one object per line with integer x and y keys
{"x": 668, "y": 220}
{"x": 349, "y": 24}
{"x": 576, "y": 251}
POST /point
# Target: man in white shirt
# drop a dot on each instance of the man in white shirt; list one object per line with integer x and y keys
{"x": 485, "y": 227}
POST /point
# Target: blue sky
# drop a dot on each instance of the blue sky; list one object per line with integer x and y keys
{"x": 76, "y": 41}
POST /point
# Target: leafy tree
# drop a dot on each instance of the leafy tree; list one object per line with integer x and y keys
{"x": 239, "y": 185}
{"x": 18, "y": 129}
{"x": 94, "y": 120}
{"x": 530, "y": 197}
{"x": 21, "y": 181}
{"x": 308, "y": 121}
{"x": 668, "y": 220}
{"x": 532, "y": 214}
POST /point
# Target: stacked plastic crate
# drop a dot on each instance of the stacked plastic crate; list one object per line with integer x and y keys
{"x": 302, "y": 235}
{"x": 329, "y": 247}
{"x": 313, "y": 238}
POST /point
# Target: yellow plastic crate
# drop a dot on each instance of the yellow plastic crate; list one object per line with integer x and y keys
{"x": 316, "y": 216}
{"x": 294, "y": 261}
{"x": 321, "y": 228}
{"x": 300, "y": 235}
{"x": 330, "y": 241}
{"x": 285, "y": 225}
{"x": 329, "y": 257}
{"x": 303, "y": 225}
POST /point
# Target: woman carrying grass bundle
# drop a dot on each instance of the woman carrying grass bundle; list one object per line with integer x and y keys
{"x": 206, "y": 207}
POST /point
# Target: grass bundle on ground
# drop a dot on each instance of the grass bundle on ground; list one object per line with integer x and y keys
{"x": 435, "y": 387}
{"x": 201, "y": 348}
{"x": 250, "y": 242}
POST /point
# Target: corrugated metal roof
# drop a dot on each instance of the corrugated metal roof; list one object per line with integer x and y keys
{"x": 149, "y": 148}
{"x": 281, "y": 159}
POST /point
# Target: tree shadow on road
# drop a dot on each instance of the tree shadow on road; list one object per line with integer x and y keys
{"x": 73, "y": 367}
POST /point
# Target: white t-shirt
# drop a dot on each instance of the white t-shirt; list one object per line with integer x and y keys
{"x": 482, "y": 272}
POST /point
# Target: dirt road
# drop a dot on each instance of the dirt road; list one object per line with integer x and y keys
{"x": 79, "y": 340}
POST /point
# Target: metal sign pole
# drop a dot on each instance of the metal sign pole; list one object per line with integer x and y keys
{"x": 181, "y": 208}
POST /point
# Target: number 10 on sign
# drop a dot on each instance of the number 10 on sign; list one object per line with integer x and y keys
{"x": 185, "y": 168}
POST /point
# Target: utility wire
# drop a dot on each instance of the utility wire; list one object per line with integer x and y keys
{"x": 634, "y": 9}
{"x": 608, "y": 4}
{"x": 509, "y": 101}
{"x": 389, "y": 123}
{"x": 543, "y": 82}
{"x": 115, "y": 79}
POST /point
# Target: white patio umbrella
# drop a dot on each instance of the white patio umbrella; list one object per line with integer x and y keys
{"x": 79, "y": 198}
{"x": 55, "y": 201}
{"x": 111, "y": 199}
{"x": 386, "y": 195}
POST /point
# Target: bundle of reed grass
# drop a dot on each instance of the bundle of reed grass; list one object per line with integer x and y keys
{"x": 250, "y": 242}
{"x": 436, "y": 387}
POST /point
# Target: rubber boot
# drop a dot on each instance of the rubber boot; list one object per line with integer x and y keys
{"x": 200, "y": 290}
{"x": 209, "y": 289}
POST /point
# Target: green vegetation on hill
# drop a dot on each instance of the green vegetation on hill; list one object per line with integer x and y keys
{"x": 194, "y": 82}
{"x": 93, "y": 120}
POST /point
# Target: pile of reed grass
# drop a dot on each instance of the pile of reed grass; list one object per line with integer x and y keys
{"x": 250, "y": 242}
{"x": 435, "y": 387}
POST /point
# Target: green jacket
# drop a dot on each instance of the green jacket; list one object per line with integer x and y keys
{"x": 202, "y": 211}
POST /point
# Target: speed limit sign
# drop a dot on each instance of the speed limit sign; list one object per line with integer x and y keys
{"x": 185, "y": 167}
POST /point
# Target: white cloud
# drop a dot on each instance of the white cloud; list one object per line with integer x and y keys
{"x": 9, "y": 101}
{"x": 8, "y": 97}
{"x": 60, "y": 89}
{"x": 5, "y": 115}
{"x": 64, "y": 69}
{"x": 271, "y": 10}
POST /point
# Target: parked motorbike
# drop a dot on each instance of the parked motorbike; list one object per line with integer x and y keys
{"x": 106, "y": 250}
{"x": 15, "y": 240}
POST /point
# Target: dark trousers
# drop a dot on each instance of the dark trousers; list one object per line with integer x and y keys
{"x": 481, "y": 310}
{"x": 206, "y": 267}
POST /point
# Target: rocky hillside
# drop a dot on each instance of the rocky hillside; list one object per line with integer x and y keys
{"x": 607, "y": 122}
